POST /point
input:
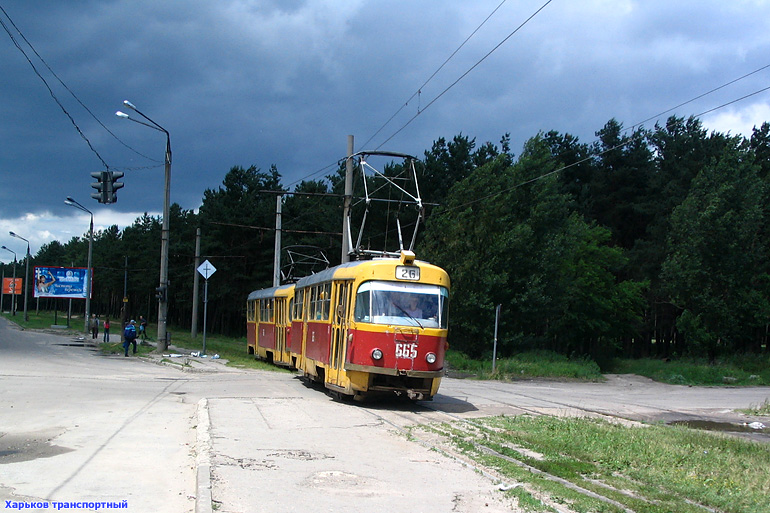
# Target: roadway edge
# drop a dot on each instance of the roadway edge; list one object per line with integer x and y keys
{"x": 203, "y": 459}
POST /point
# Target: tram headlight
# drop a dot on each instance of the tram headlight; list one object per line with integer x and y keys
{"x": 430, "y": 357}
{"x": 377, "y": 354}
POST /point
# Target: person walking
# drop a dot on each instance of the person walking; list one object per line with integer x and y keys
{"x": 129, "y": 336}
{"x": 106, "y": 329}
{"x": 94, "y": 325}
{"x": 143, "y": 327}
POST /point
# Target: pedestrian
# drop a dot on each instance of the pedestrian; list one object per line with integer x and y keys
{"x": 94, "y": 324}
{"x": 106, "y": 329}
{"x": 143, "y": 327}
{"x": 129, "y": 336}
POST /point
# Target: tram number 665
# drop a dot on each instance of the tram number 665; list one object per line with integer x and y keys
{"x": 406, "y": 351}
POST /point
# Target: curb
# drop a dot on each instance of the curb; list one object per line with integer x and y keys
{"x": 203, "y": 459}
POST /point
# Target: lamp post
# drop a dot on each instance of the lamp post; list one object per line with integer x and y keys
{"x": 13, "y": 292}
{"x": 164, "y": 234}
{"x": 26, "y": 278}
{"x": 71, "y": 202}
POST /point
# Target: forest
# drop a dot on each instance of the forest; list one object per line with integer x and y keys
{"x": 643, "y": 243}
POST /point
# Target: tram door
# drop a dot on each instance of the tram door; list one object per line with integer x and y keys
{"x": 341, "y": 291}
{"x": 281, "y": 318}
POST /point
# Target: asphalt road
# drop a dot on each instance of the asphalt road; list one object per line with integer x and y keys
{"x": 77, "y": 426}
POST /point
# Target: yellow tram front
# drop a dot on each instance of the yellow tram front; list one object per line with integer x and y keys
{"x": 381, "y": 327}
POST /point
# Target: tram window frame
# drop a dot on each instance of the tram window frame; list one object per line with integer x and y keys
{"x": 251, "y": 310}
{"x": 320, "y": 302}
{"x": 266, "y": 310}
{"x": 299, "y": 305}
{"x": 374, "y": 295}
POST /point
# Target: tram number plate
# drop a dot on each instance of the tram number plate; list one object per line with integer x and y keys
{"x": 406, "y": 351}
{"x": 404, "y": 272}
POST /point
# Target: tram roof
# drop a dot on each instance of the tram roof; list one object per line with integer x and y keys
{"x": 271, "y": 292}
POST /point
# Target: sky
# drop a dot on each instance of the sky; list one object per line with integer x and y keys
{"x": 284, "y": 82}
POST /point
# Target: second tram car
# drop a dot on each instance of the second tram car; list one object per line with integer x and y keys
{"x": 363, "y": 328}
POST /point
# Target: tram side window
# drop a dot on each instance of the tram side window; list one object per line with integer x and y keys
{"x": 266, "y": 310}
{"x": 326, "y": 300}
{"x": 251, "y": 311}
{"x": 320, "y": 302}
{"x": 299, "y": 303}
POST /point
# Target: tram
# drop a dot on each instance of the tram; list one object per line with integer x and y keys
{"x": 375, "y": 325}
{"x": 363, "y": 328}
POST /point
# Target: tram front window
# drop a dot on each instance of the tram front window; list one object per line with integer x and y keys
{"x": 403, "y": 304}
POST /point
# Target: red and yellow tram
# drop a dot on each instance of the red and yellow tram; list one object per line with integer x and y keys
{"x": 362, "y": 328}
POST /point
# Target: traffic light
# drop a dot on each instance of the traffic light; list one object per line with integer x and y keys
{"x": 101, "y": 186}
{"x": 161, "y": 293}
{"x": 113, "y": 185}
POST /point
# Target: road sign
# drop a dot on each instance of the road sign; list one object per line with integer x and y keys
{"x": 206, "y": 269}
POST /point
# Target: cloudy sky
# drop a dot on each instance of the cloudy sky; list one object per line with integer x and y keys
{"x": 262, "y": 82}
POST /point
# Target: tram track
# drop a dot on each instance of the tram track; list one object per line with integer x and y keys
{"x": 442, "y": 444}
{"x": 440, "y": 431}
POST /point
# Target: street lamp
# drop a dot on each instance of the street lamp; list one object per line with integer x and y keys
{"x": 164, "y": 234}
{"x": 71, "y": 202}
{"x": 26, "y": 277}
{"x": 13, "y": 293}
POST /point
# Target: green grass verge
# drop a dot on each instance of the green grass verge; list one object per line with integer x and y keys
{"x": 647, "y": 469}
{"x": 44, "y": 320}
{"x": 232, "y": 349}
{"x": 540, "y": 364}
{"x": 743, "y": 370}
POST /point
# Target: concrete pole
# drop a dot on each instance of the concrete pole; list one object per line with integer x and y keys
{"x": 494, "y": 347}
{"x": 277, "y": 255}
{"x": 196, "y": 285}
{"x": 347, "y": 201}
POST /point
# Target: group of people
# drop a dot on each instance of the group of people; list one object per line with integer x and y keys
{"x": 130, "y": 333}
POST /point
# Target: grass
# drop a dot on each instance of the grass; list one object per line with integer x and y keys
{"x": 751, "y": 370}
{"x": 45, "y": 319}
{"x": 762, "y": 410}
{"x": 647, "y": 469}
{"x": 744, "y": 370}
{"x": 540, "y": 364}
{"x": 229, "y": 348}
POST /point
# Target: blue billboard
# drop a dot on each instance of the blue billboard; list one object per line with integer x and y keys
{"x": 67, "y": 282}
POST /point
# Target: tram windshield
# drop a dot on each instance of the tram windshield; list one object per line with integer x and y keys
{"x": 403, "y": 304}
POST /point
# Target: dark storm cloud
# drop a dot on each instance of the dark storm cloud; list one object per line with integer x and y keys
{"x": 284, "y": 82}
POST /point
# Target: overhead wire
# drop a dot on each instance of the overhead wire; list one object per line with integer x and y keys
{"x": 50, "y": 90}
{"x": 419, "y": 89}
{"x": 450, "y": 86}
{"x": 426, "y": 82}
{"x": 67, "y": 88}
{"x": 618, "y": 146}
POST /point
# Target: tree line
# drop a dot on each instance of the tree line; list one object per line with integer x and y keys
{"x": 647, "y": 242}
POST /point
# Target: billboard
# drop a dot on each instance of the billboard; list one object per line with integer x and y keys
{"x": 60, "y": 282}
{"x": 12, "y": 286}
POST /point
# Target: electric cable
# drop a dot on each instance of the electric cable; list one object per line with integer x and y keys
{"x": 594, "y": 155}
{"x": 419, "y": 89}
{"x": 466, "y": 73}
{"x": 72, "y": 93}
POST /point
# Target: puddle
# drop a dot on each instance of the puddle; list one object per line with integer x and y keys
{"x": 708, "y": 425}
{"x": 15, "y": 448}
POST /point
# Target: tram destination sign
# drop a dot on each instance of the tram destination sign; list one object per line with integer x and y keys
{"x": 408, "y": 272}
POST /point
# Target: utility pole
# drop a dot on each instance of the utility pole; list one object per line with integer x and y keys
{"x": 277, "y": 256}
{"x": 347, "y": 201}
{"x": 494, "y": 347}
{"x": 194, "y": 327}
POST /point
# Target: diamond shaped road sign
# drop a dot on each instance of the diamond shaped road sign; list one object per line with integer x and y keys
{"x": 206, "y": 269}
